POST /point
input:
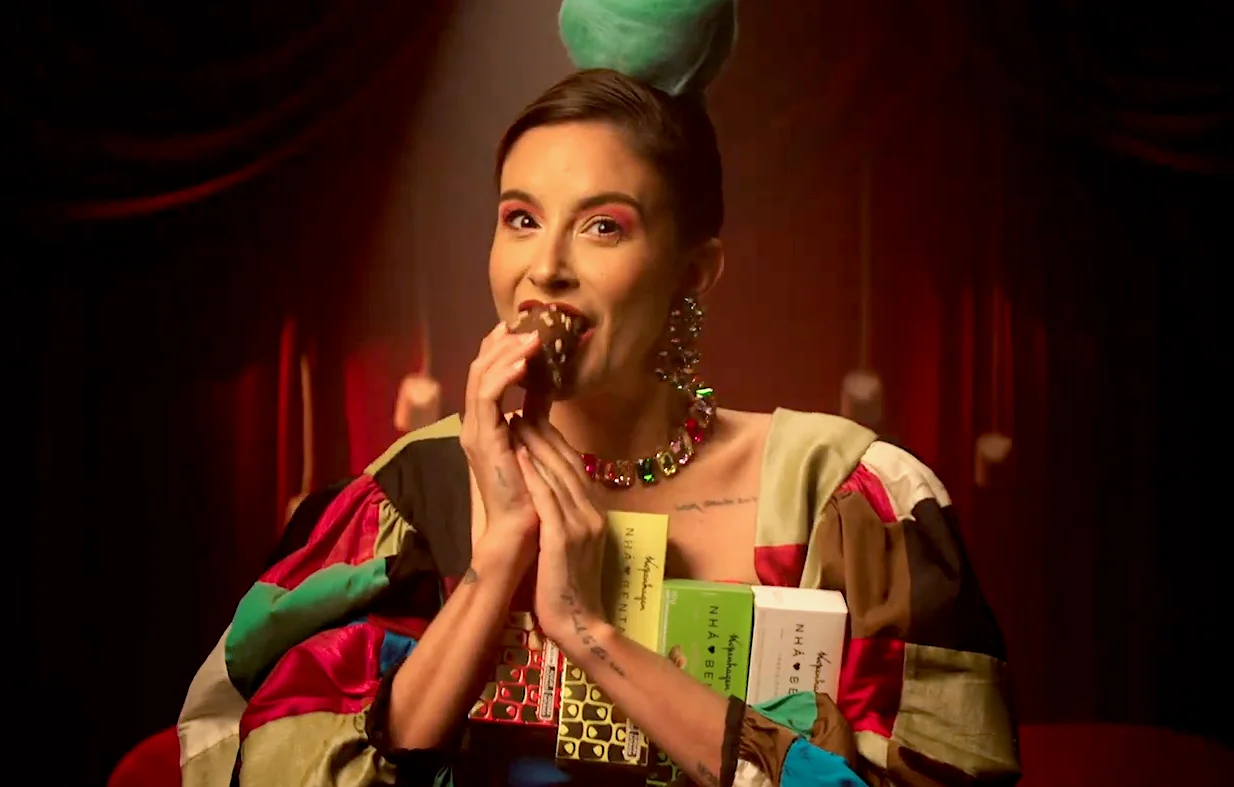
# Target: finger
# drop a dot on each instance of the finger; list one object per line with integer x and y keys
{"x": 506, "y": 369}
{"x": 500, "y": 329}
{"x": 550, "y": 448}
{"x": 569, "y": 483}
{"x": 558, "y": 441}
{"x": 495, "y": 369}
{"x": 542, "y": 496}
{"x": 491, "y": 347}
{"x": 484, "y": 355}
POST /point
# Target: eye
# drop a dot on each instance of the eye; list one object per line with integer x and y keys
{"x": 605, "y": 228}
{"x": 519, "y": 219}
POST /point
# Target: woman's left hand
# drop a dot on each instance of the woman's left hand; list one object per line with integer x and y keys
{"x": 573, "y": 533}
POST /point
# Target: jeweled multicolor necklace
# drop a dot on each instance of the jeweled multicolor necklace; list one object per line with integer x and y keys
{"x": 666, "y": 463}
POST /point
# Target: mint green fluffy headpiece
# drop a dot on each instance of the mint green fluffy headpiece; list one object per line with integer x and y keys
{"x": 677, "y": 46}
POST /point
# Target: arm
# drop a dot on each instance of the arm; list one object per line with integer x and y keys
{"x": 427, "y": 701}
{"x": 715, "y": 740}
{"x": 701, "y": 731}
{"x": 922, "y": 696}
{"x": 685, "y": 718}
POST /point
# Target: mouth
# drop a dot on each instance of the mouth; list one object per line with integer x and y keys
{"x": 579, "y": 324}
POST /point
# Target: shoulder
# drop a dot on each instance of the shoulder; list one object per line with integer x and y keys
{"x": 420, "y": 484}
{"x": 895, "y": 482}
{"x": 440, "y": 437}
{"x": 829, "y": 455}
{"x": 425, "y": 477}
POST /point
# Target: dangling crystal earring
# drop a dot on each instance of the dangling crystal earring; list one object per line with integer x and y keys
{"x": 677, "y": 362}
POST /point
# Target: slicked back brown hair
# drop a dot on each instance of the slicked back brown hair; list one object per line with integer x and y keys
{"x": 673, "y": 134}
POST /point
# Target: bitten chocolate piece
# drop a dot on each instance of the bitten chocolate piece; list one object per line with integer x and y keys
{"x": 549, "y": 372}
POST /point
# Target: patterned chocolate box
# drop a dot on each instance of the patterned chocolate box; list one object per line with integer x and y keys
{"x": 591, "y": 728}
{"x": 526, "y": 678}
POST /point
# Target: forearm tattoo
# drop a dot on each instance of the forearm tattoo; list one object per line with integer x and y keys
{"x": 580, "y": 628}
{"x": 709, "y": 778}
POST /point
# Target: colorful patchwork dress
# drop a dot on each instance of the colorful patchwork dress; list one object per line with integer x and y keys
{"x": 297, "y": 690}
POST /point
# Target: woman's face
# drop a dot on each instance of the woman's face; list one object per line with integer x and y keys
{"x": 584, "y": 222}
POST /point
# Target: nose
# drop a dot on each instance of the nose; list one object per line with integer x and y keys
{"x": 552, "y": 273}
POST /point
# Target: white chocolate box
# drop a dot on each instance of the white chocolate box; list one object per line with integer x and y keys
{"x": 798, "y": 642}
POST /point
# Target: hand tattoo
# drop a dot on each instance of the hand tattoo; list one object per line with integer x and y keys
{"x": 469, "y": 576}
{"x": 709, "y": 778}
{"x": 704, "y": 505}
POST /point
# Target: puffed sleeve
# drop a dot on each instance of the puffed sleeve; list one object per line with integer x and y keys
{"x": 923, "y": 696}
{"x": 297, "y": 689}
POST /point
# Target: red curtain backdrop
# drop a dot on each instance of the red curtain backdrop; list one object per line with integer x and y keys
{"x": 205, "y": 187}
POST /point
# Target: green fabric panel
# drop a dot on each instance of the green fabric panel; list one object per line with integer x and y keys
{"x": 270, "y": 620}
{"x": 797, "y": 712}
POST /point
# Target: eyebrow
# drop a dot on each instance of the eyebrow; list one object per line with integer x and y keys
{"x": 595, "y": 200}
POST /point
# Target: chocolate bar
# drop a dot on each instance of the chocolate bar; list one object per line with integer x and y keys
{"x": 550, "y": 372}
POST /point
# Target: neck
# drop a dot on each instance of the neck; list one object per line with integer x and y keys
{"x": 626, "y": 425}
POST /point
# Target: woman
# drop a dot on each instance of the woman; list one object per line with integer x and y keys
{"x": 357, "y": 656}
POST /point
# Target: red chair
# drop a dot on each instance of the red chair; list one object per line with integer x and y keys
{"x": 155, "y": 762}
{"x": 1053, "y": 755}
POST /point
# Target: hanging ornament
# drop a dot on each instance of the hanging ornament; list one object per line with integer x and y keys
{"x": 993, "y": 448}
{"x": 418, "y": 403}
{"x": 306, "y": 437}
{"x": 861, "y": 391}
{"x": 992, "y": 453}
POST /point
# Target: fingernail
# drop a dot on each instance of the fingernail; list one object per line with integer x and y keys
{"x": 530, "y": 338}
{"x": 519, "y": 364}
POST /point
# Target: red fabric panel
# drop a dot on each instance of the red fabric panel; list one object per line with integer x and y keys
{"x": 865, "y": 483}
{"x": 871, "y": 680}
{"x": 347, "y": 533}
{"x": 780, "y": 565}
{"x": 337, "y": 671}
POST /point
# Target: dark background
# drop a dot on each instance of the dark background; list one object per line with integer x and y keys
{"x": 197, "y": 196}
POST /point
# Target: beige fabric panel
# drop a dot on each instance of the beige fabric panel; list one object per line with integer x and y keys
{"x": 950, "y": 703}
{"x": 807, "y": 457}
{"x": 450, "y": 426}
{"x": 212, "y": 767}
{"x": 212, "y": 707}
{"x": 319, "y": 749}
{"x": 391, "y": 529}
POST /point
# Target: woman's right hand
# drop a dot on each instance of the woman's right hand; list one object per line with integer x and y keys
{"x": 511, "y": 535}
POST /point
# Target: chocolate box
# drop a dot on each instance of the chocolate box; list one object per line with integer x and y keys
{"x": 798, "y": 642}
{"x": 525, "y": 688}
{"x": 705, "y": 630}
{"x": 591, "y": 729}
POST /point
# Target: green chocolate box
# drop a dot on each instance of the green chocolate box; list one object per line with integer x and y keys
{"x": 705, "y": 630}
